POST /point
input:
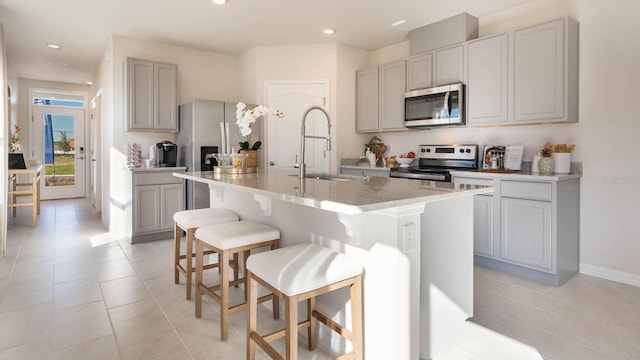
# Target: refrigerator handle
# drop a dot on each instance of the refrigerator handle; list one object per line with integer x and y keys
{"x": 223, "y": 138}
{"x": 226, "y": 134}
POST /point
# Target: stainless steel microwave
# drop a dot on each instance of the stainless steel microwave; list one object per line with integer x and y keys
{"x": 437, "y": 106}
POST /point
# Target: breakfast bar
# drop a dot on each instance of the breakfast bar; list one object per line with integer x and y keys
{"x": 414, "y": 239}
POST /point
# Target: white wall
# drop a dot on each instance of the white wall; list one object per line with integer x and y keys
{"x": 605, "y": 136}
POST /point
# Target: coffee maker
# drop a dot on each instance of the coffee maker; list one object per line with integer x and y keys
{"x": 167, "y": 153}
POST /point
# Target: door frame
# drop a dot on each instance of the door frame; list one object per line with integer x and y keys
{"x": 94, "y": 154}
{"x": 85, "y": 108}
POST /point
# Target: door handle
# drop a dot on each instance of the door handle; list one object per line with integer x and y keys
{"x": 271, "y": 163}
{"x": 80, "y": 158}
{"x": 94, "y": 160}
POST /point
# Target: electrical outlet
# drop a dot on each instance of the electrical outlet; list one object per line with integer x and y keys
{"x": 409, "y": 237}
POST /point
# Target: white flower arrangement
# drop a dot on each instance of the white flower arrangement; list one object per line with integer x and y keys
{"x": 14, "y": 140}
{"x": 245, "y": 118}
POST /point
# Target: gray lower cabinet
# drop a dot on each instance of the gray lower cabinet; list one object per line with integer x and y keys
{"x": 155, "y": 197}
{"x": 152, "y": 102}
{"x": 528, "y": 228}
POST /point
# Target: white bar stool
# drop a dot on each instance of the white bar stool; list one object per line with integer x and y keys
{"x": 190, "y": 221}
{"x": 226, "y": 240}
{"x": 299, "y": 273}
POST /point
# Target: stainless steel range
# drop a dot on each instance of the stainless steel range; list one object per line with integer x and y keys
{"x": 435, "y": 162}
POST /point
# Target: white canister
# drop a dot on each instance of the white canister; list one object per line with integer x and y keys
{"x": 561, "y": 163}
{"x": 534, "y": 164}
{"x": 152, "y": 153}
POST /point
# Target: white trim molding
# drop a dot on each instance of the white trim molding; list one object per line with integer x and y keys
{"x": 609, "y": 274}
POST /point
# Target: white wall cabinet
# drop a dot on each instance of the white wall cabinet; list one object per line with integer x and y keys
{"x": 529, "y": 227}
{"x": 528, "y": 75}
{"x": 383, "y": 86}
{"x": 419, "y": 72}
{"x": 448, "y": 65}
{"x": 151, "y": 96}
{"x": 155, "y": 195}
{"x": 487, "y": 80}
{"x": 545, "y": 72}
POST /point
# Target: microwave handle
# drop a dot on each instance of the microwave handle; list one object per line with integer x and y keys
{"x": 446, "y": 103}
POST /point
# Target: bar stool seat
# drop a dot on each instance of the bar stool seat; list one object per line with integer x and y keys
{"x": 299, "y": 273}
{"x": 226, "y": 240}
{"x": 190, "y": 221}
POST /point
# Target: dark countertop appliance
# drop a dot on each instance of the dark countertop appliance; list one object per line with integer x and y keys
{"x": 166, "y": 153}
{"x": 435, "y": 162}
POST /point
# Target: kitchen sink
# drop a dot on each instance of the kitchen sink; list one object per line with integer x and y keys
{"x": 334, "y": 177}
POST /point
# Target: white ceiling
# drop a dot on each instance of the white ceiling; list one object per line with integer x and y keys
{"x": 83, "y": 27}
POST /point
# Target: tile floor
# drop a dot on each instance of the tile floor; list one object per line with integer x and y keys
{"x": 68, "y": 291}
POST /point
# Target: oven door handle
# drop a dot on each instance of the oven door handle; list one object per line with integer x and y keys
{"x": 435, "y": 177}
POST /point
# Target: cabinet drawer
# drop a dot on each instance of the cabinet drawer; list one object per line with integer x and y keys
{"x": 472, "y": 181}
{"x": 155, "y": 178}
{"x": 526, "y": 190}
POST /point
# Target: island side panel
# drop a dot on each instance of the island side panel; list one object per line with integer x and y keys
{"x": 446, "y": 284}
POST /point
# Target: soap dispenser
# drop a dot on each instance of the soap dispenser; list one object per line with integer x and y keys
{"x": 371, "y": 157}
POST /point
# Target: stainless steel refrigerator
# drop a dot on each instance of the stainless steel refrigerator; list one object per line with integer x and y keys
{"x": 207, "y": 127}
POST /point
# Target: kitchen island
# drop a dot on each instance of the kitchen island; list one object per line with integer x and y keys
{"x": 414, "y": 238}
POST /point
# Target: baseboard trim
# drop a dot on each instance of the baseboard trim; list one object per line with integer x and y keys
{"x": 613, "y": 275}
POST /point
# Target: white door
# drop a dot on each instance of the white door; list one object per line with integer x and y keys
{"x": 58, "y": 135}
{"x": 283, "y": 134}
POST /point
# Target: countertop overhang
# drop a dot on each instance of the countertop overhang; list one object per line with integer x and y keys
{"x": 348, "y": 197}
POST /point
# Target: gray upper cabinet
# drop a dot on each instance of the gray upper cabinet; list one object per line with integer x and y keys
{"x": 528, "y": 75}
{"x": 546, "y": 72}
{"x": 449, "y": 65}
{"x": 419, "y": 70}
{"x": 487, "y": 80}
{"x": 151, "y": 96}
{"x": 391, "y": 99}
{"x": 380, "y": 98}
{"x": 367, "y": 100}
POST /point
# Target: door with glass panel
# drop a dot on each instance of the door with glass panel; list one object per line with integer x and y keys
{"x": 59, "y": 145}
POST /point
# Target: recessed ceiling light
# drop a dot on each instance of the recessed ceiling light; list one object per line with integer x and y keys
{"x": 219, "y": 2}
{"x": 89, "y": 82}
{"x": 57, "y": 63}
{"x": 399, "y": 22}
{"x": 329, "y": 31}
{"x": 54, "y": 46}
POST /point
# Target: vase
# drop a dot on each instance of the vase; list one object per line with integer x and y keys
{"x": 252, "y": 158}
{"x": 545, "y": 165}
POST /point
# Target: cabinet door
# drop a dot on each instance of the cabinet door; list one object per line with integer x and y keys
{"x": 419, "y": 70}
{"x": 526, "y": 233}
{"x": 487, "y": 82}
{"x": 538, "y": 72}
{"x": 449, "y": 66}
{"x": 140, "y": 94}
{"x": 391, "y": 101}
{"x": 171, "y": 201}
{"x": 483, "y": 225}
{"x": 146, "y": 205}
{"x": 367, "y": 100}
{"x": 165, "y": 99}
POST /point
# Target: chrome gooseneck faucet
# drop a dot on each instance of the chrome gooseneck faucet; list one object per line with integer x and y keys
{"x": 301, "y": 165}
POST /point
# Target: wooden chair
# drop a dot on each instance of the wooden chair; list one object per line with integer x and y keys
{"x": 229, "y": 240}
{"x": 300, "y": 273}
{"x": 190, "y": 221}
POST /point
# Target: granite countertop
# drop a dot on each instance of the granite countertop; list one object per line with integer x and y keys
{"x": 360, "y": 194}
{"x": 157, "y": 168}
{"x": 520, "y": 175}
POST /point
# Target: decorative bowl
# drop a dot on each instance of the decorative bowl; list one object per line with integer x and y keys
{"x": 404, "y": 162}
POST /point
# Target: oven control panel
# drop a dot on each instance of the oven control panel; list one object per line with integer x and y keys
{"x": 448, "y": 152}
